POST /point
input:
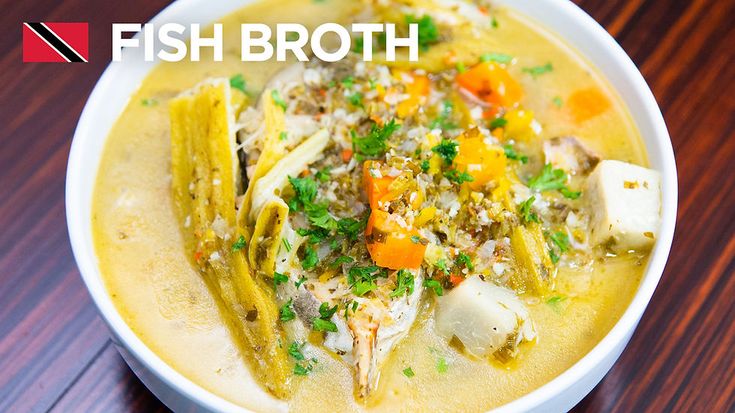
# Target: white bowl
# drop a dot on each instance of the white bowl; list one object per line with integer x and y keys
{"x": 566, "y": 20}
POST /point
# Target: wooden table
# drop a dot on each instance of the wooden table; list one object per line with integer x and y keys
{"x": 55, "y": 353}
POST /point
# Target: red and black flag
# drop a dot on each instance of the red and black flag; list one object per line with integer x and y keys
{"x": 55, "y": 42}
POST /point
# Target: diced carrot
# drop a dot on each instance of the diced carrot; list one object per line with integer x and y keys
{"x": 587, "y": 103}
{"x": 346, "y": 155}
{"x": 482, "y": 161}
{"x": 391, "y": 245}
{"x": 491, "y": 83}
{"x": 417, "y": 90}
{"x": 376, "y": 188}
{"x": 455, "y": 279}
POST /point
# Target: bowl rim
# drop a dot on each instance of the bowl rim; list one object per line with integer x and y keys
{"x": 79, "y": 187}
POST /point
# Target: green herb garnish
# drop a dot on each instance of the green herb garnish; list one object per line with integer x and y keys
{"x": 447, "y": 150}
{"x": 239, "y": 244}
{"x": 148, "y": 102}
{"x": 528, "y": 216}
{"x": 356, "y": 100}
{"x": 458, "y": 177}
{"x": 498, "y": 123}
{"x": 238, "y": 82}
{"x": 279, "y": 278}
{"x": 342, "y": 259}
{"x": 374, "y": 144}
{"x": 441, "y": 365}
{"x": 311, "y": 259}
{"x": 464, "y": 259}
{"x": 286, "y": 245}
{"x": 434, "y": 285}
{"x": 278, "y": 100}
{"x": 553, "y": 179}
{"x": 427, "y": 30}
{"x": 286, "y": 312}
{"x": 538, "y": 70}
{"x": 511, "y": 153}
{"x": 404, "y": 283}
{"x": 496, "y": 57}
{"x": 408, "y": 372}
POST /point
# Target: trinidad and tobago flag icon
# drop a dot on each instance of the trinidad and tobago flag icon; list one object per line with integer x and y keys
{"x": 55, "y": 42}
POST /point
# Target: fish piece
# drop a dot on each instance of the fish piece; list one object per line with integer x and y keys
{"x": 377, "y": 327}
{"x": 570, "y": 154}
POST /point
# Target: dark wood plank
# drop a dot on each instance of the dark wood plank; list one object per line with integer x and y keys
{"x": 55, "y": 352}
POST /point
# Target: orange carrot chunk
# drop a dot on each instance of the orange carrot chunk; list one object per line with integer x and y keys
{"x": 587, "y": 103}
{"x": 375, "y": 185}
{"x": 491, "y": 83}
{"x": 391, "y": 245}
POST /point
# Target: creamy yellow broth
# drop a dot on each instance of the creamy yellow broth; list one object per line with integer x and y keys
{"x": 162, "y": 298}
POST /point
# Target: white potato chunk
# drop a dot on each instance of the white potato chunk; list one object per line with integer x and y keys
{"x": 624, "y": 202}
{"x": 484, "y": 317}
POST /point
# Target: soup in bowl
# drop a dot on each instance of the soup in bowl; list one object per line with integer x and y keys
{"x": 480, "y": 228}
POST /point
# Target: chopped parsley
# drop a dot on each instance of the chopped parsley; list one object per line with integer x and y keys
{"x": 464, "y": 259}
{"x": 427, "y": 30}
{"x": 434, "y": 285}
{"x": 425, "y": 165}
{"x": 311, "y": 259}
{"x": 305, "y": 190}
{"x": 348, "y": 82}
{"x": 351, "y": 306}
{"x": 441, "y": 365}
{"x": 286, "y": 312}
{"x": 404, "y": 283}
{"x": 555, "y": 302}
{"x": 374, "y": 144}
{"x": 351, "y": 228}
{"x": 498, "y": 123}
{"x": 294, "y": 350}
{"x": 301, "y": 370}
{"x": 511, "y": 153}
{"x": 496, "y": 57}
{"x": 323, "y": 175}
{"x": 323, "y": 322}
{"x": 239, "y": 244}
{"x": 528, "y": 216}
{"x": 316, "y": 235}
{"x": 441, "y": 265}
{"x": 279, "y": 278}
{"x": 362, "y": 279}
{"x": 538, "y": 70}
{"x": 283, "y": 135}
{"x": 342, "y": 259}
{"x": 447, "y": 150}
{"x": 560, "y": 243}
{"x": 356, "y": 100}
{"x": 553, "y": 179}
{"x": 238, "y": 82}
{"x": 300, "y": 281}
{"x": 286, "y": 245}
{"x": 461, "y": 67}
{"x": 408, "y": 372}
{"x": 359, "y": 45}
{"x": 415, "y": 239}
{"x": 148, "y": 102}
{"x": 557, "y": 101}
{"x": 303, "y": 366}
{"x": 494, "y": 23}
{"x": 278, "y": 100}
{"x": 458, "y": 177}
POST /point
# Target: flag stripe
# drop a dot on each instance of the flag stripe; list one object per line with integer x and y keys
{"x": 53, "y": 40}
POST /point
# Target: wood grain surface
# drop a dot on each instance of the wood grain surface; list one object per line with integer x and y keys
{"x": 55, "y": 353}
